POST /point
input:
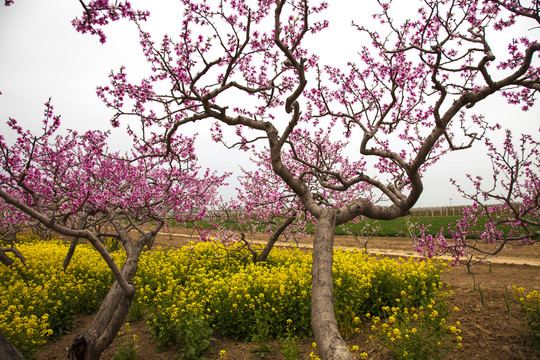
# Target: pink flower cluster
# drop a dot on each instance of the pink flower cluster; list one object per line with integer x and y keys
{"x": 75, "y": 180}
{"x": 99, "y": 13}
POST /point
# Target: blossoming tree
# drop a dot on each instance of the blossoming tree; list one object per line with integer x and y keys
{"x": 407, "y": 101}
{"x": 268, "y": 201}
{"x": 74, "y": 185}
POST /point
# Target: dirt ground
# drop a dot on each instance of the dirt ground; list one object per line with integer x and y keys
{"x": 488, "y": 331}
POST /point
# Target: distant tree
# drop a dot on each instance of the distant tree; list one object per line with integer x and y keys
{"x": 509, "y": 203}
{"x": 271, "y": 205}
{"x": 74, "y": 185}
{"x": 231, "y": 221}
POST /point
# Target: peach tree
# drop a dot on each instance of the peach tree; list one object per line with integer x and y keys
{"x": 76, "y": 186}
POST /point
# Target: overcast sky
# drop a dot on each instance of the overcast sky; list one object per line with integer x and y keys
{"x": 42, "y": 56}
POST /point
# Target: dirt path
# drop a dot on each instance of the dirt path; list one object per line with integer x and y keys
{"x": 398, "y": 246}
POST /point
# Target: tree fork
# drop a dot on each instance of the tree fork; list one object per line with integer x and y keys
{"x": 89, "y": 344}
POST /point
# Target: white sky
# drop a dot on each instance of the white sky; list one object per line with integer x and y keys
{"x": 42, "y": 56}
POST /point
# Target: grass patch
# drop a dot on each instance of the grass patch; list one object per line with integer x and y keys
{"x": 398, "y": 227}
{"x": 387, "y": 228}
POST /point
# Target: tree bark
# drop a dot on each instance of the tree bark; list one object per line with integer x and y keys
{"x": 330, "y": 343}
{"x": 110, "y": 317}
{"x": 7, "y": 350}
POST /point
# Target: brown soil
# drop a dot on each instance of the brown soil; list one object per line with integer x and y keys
{"x": 488, "y": 331}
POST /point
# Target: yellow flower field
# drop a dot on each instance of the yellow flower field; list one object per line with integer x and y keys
{"x": 40, "y": 299}
{"x": 186, "y": 294}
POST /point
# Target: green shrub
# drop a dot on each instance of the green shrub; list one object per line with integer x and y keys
{"x": 529, "y": 306}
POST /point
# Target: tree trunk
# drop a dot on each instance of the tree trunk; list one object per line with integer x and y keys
{"x": 110, "y": 317}
{"x": 330, "y": 343}
{"x": 150, "y": 243}
{"x": 273, "y": 238}
{"x": 71, "y": 251}
{"x": 7, "y": 350}
{"x": 4, "y": 259}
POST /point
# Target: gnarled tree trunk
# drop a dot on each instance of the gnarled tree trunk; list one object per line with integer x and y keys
{"x": 330, "y": 343}
{"x": 110, "y": 317}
